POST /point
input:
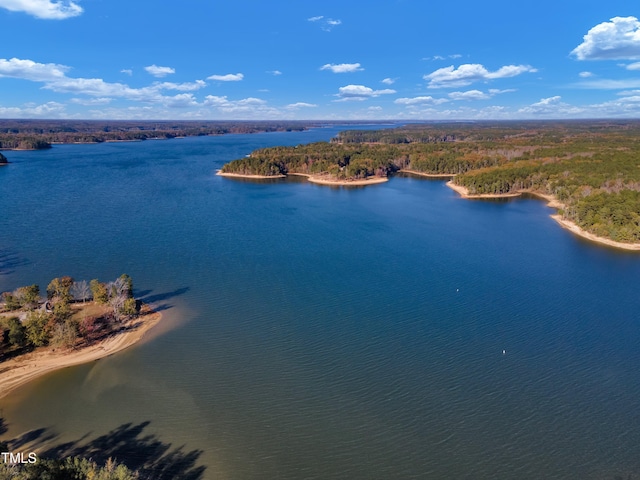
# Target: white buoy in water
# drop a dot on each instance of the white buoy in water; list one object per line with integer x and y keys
{"x": 504, "y": 352}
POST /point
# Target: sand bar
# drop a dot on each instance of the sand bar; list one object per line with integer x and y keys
{"x": 25, "y": 368}
{"x": 553, "y": 203}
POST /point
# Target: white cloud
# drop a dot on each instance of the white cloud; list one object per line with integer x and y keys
{"x": 300, "y": 105}
{"x": 245, "y": 108}
{"x": 159, "y": 72}
{"x": 342, "y": 67}
{"x": 553, "y": 107}
{"x": 46, "y": 110}
{"x": 477, "y": 94}
{"x": 469, "y": 95}
{"x": 229, "y": 77}
{"x": 127, "y": 71}
{"x": 618, "y": 39}
{"x": 54, "y": 78}
{"x": 325, "y": 23}
{"x": 274, "y": 72}
{"x": 44, "y": 9}
{"x": 181, "y": 87}
{"x": 30, "y": 70}
{"x": 585, "y": 74}
{"x": 388, "y": 81}
{"x": 633, "y": 66}
{"x": 607, "y": 84}
{"x": 627, "y": 93}
{"x": 441, "y": 57}
{"x": 360, "y": 92}
{"x": 91, "y": 101}
{"x": 468, "y": 73}
{"x": 548, "y": 101}
{"x": 182, "y": 100}
{"x": 420, "y": 100}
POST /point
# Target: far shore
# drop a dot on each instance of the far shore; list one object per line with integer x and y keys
{"x": 21, "y": 370}
{"x": 553, "y": 203}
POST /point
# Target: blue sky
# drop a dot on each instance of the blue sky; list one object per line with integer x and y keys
{"x": 304, "y": 59}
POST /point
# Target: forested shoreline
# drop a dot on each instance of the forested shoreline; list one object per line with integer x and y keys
{"x": 591, "y": 167}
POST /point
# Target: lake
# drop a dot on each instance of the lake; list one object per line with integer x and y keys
{"x": 391, "y": 331}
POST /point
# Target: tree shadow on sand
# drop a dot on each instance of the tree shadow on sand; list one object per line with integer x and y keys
{"x": 128, "y": 444}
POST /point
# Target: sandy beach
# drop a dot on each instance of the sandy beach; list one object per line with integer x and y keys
{"x": 321, "y": 180}
{"x": 239, "y": 175}
{"x": 25, "y": 368}
{"x": 553, "y": 203}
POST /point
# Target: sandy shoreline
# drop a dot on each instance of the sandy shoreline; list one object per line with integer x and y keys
{"x": 428, "y": 175}
{"x": 553, "y": 203}
{"x": 464, "y": 192}
{"x": 239, "y": 175}
{"x": 346, "y": 183}
{"x": 313, "y": 179}
{"x": 21, "y": 370}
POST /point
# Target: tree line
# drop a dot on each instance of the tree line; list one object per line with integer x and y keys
{"x": 41, "y": 134}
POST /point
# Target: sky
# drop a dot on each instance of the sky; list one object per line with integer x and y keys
{"x": 311, "y": 60}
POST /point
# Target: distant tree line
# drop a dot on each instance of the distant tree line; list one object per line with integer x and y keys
{"x": 40, "y": 134}
{"x": 53, "y": 321}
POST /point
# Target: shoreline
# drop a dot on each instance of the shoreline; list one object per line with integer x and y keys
{"x": 240, "y": 175}
{"x": 345, "y": 183}
{"x": 552, "y": 202}
{"x": 428, "y": 175}
{"x": 19, "y": 371}
{"x": 311, "y": 178}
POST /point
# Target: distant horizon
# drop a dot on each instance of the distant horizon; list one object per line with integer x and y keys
{"x": 395, "y": 60}
{"x": 325, "y": 120}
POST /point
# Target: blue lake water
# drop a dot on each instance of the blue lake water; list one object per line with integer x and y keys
{"x": 315, "y": 332}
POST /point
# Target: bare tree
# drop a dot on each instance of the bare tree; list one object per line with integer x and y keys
{"x": 81, "y": 291}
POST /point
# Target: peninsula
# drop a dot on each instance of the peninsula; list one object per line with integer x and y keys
{"x": 79, "y": 322}
{"x": 589, "y": 170}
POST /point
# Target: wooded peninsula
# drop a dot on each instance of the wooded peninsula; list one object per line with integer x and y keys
{"x": 77, "y": 322}
{"x": 590, "y": 169}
